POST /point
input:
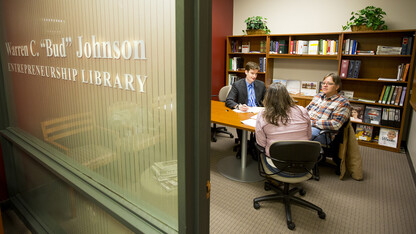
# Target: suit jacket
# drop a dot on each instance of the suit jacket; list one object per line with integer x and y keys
{"x": 238, "y": 93}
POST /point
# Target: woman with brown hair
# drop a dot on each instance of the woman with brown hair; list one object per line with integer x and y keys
{"x": 281, "y": 118}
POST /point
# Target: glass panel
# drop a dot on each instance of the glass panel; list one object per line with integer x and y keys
{"x": 61, "y": 208}
{"x": 96, "y": 80}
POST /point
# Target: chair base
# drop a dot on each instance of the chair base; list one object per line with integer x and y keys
{"x": 215, "y": 130}
{"x": 287, "y": 197}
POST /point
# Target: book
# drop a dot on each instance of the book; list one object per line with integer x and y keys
{"x": 372, "y": 114}
{"x": 388, "y": 50}
{"x": 313, "y": 47}
{"x": 357, "y": 112}
{"x": 386, "y": 94}
{"x": 308, "y": 88}
{"x": 388, "y": 137}
{"x": 283, "y": 48}
{"x": 406, "y": 70}
{"x": 347, "y": 46}
{"x": 293, "y": 86}
{"x": 393, "y": 97}
{"x": 402, "y": 96}
{"x": 356, "y": 71}
{"x": 405, "y": 44}
{"x": 349, "y": 94}
{"x": 399, "y": 93}
{"x": 390, "y": 94}
{"x": 364, "y": 132}
{"x": 409, "y": 47}
{"x": 365, "y": 52}
{"x": 350, "y": 73}
{"x": 245, "y": 47}
{"x": 344, "y": 68}
{"x": 399, "y": 71}
{"x": 382, "y": 94}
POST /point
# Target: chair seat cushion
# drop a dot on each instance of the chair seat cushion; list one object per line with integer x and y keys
{"x": 287, "y": 177}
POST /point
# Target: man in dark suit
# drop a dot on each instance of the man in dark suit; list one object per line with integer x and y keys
{"x": 238, "y": 97}
{"x": 246, "y": 93}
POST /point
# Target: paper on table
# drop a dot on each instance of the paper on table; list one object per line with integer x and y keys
{"x": 253, "y": 117}
{"x": 250, "y": 122}
{"x": 250, "y": 110}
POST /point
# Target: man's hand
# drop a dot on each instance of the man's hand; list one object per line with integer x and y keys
{"x": 244, "y": 107}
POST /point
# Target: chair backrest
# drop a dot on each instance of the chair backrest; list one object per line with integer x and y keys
{"x": 62, "y": 127}
{"x": 295, "y": 156}
{"x": 224, "y": 93}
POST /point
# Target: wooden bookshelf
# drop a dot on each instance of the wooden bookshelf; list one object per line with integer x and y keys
{"x": 365, "y": 86}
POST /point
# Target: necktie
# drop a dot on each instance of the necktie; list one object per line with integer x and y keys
{"x": 251, "y": 96}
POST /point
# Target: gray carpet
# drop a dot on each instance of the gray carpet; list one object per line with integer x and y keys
{"x": 384, "y": 202}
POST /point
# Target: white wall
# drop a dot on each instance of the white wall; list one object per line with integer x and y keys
{"x": 411, "y": 142}
{"x": 305, "y": 16}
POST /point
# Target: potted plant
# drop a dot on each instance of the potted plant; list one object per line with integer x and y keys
{"x": 369, "y": 18}
{"x": 256, "y": 25}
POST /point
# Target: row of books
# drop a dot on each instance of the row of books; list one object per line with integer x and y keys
{"x": 166, "y": 174}
{"x": 238, "y": 46}
{"x": 232, "y": 78}
{"x": 278, "y": 47}
{"x": 402, "y": 71}
{"x": 236, "y": 64}
{"x": 350, "y": 68}
{"x": 262, "y": 64}
{"x": 349, "y": 46}
{"x": 314, "y": 47}
{"x": 393, "y": 95}
{"x": 384, "y": 136}
{"x": 407, "y": 43}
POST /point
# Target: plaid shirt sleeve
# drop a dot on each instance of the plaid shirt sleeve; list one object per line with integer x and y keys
{"x": 329, "y": 113}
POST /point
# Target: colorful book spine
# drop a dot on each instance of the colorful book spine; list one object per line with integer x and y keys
{"x": 402, "y": 97}
{"x": 386, "y": 94}
{"x": 382, "y": 94}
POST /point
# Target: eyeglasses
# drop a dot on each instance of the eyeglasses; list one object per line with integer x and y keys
{"x": 328, "y": 83}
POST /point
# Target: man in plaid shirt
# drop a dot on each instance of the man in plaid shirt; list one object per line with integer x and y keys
{"x": 328, "y": 109}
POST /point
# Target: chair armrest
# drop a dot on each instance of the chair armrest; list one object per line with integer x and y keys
{"x": 325, "y": 131}
{"x": 260, "y": 148}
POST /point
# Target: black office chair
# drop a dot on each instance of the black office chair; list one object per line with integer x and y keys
{"x": 214, "y": 129}
{"x": 289, "y": 162}
{"x": 331, "y": 149}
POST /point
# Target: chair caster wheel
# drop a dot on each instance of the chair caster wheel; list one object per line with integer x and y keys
{"x": 214, "y": 140}
{"x": 256, "y": 205}
{"x": 291, "y": 225}
{"x": 267, "y": 187}
{"x": 302, "y": 192}
{"x": 231, "y": 136}
{"x": 236, "y": 140}
{"x": 321, "y": 214}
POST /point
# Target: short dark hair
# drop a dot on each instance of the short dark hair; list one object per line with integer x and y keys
{"x": 252, "y": 66}
{"x": 336, "y": 78}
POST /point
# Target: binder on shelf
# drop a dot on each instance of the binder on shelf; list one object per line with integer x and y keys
{"x": 344, "y": 68}
{"x": 350, "y": 73}
{"x": 282, "y": 49}
{"x": 357, "y": 66}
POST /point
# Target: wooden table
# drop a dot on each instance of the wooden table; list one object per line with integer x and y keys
{"x": 247, "y": 170}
